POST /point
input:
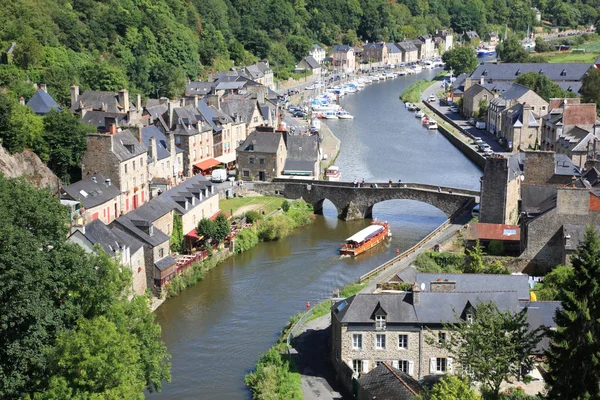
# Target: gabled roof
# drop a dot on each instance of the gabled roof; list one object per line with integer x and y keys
{"x": 42, "y": 103}
{"x": 510, "y": 71}
{"x": 541, "y": 314}
{"x": 261, "y": 142}
{"x": 165, "y": 263}
{"x": 162, "y": 147}
{"x": 215, "y": 117}
{"x": 479, "y": 282}
{"x": 392, "y": 48}
{"x": 475, "y": 89}
{"x": 515, "y": 92}
{"x": 316, "y": 46}
{"x": 146, "y": 215}
{"x": 339, "y": 48}
{"x": 387, "y": 382}
{"x": 305, "y": 148}
{"x": 311, "y": 62}
{"x": 126, "y": 146}
{"x": 92, "y": 191}
{"x": 98, "y": 119}
{"x": 103, "y": 101}
{"x": 197, "y": 187}
{"x": 360, "y": 308}
{"x": 244, "y": 106}
{"x": 198, "y": 88}
{"x": 406, "y": 46}
{"x": 112, "y": 240}
{"x": 373, "y": 45}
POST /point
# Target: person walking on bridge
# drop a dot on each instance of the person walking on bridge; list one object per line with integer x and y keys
{"x": 390, "y": 183}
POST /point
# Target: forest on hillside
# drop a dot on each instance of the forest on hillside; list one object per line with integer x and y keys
{"x": 154, "y": 46}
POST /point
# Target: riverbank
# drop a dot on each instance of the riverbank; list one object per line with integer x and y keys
{"x": 412, "y": 94}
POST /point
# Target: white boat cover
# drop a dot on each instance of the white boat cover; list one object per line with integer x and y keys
{"x": 365, "y": 233}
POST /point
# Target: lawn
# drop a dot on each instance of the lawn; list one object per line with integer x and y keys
{"x": 568, "y": 57}
{"x": 592, "y": 47}
{"x": 268, "y": 204}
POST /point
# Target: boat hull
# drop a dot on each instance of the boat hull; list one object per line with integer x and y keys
{"x": 367, "y": 244}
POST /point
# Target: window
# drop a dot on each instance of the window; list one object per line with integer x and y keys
{"x": 403, "y": 342}
{"x": 441, "y": 337}
{"x": 251, "y": 160}
{"x": 380, "y": 322}
{"x": 470, "y": 318}
{"x": 141, "y": 162}
{"x": 441, "y": 365}
{"x": 125, "y": 165}
{"x": 133, "y": 165}
{"x": 255, "y": 119}
{"x": 380, "y": 341}
{"x": 168, "y": 229}
{"x": 178, "y": 140}
{"x": 357, "y": 341}
{"x": 261, "y": 161}
{"x": 246, "y": 173}
{"x": 357, "y": 366}
{"x": 403, "y": 365}
{"x": 161, "y": 253}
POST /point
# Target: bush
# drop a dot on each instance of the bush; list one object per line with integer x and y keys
{"x": 252, "y": 217}
{"x": 433, "y": 262}
{"x": 275, "y": 228}
{"x": 274, "y": 378}
{"x": 299, "y": 217}
{"x": 495, "y": 248}
{"x": 285, "y": 206}
{"x": 245, "y": 240}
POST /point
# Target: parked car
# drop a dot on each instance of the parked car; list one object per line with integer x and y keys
{"x": 477, "y": 140}
{"x": 472, "y": 121}
{"x": 454, "y": 109}
{"x": 432, "y": 98}
{"x": 483, "y": 146}
{"x": 480, "y": 125}
{"x": 488, "y": 152}
{"x": 299, "y": 114}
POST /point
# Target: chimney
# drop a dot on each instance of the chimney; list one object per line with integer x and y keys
{"x": 112, "y": 129}
{"x": 138, "y": 103}
{"x": 124, "y": 99}
{"x": 468, "y": 82}
{"x": 416, "y": 293}
{"x": 481, "y": 80}
{"x": 74, "y": 97}
{"x": 260, "y": 96}
{"x": 214, "y": 100}
{"x": 196, "y": 101}
{"x": 43, "y": 87}
{"x": 170, "y": 108}
{"x": 138, "y": 133}
{"x": 22, "y": 100}
{"x": 153, "y": 151}
{"x": 443, "y": 286}
{"x": 163, "y": 100}
{"x": 171, "y": 139}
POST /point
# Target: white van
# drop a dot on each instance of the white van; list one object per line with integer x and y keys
{"x": 480, "y": 125}
{"x": 219, "y": 175}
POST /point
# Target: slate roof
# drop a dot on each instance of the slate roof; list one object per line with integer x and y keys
{"x": 98, "y": 119}
{"x": 242, "y": 106}
{"x": 198, "y": 88}
{"x": 215, "y": 117}
{"x": 541, "y": 314}
{"x": 316, "y": 46}
{"x": 510, "y": 71}
{"x": 392, "y": 48}
{"x": 103, "y": 101}
{"x": 90, "y": 193}
{"x": 157, "y": 110}
{"x": 360, "y": 308}
{"x": 373, "y": 45}
{"x": 162, "y": 148}
{"x": 565, "y": 166}
{"x": 570, "y": 86}
{"x": 338, "y": 48}
{"x": 472, "y": 35}
{"x": 164, "y": 263}
{"x": 126, "y": 146}
{"x": 408, "y": 275}
{"x": 230, "y": 85}
{"x": 458, "y": 85}
{"x": 475, "y": 89}
{"x": 480, "y": 282}
{"x": 576, "y": 234}
{"x": 406, "y": 46}
{"x": 263, "y": 66}
{"x": 254, "y": 71}
{"x": 42, "y": 103}
{"x": 298, "y": 165}
{"x": 311, "y": 62}
{"x": 515, "y": 91}
{"x": 303, "y": 148}
{"x": 143, "y": 216}
{"x": 387, "y": 382}
{"x": 262, "y": 142}
{"x": 197, "y": 187}
{"x": 537, "y": 199}
{"x": 111, "y": 239}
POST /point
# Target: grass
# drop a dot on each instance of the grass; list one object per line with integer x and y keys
{"x": 268, "y": 204}
{"x": 569, "y": 57}
{"x": 592, "y": 47}
{"x": 412, "y": 93}
{"x": 323, "y": 307}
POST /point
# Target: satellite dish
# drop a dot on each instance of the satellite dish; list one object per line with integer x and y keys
{"x": 423, "y": 286}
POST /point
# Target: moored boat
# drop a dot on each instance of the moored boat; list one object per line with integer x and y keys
{"x": 432, "y": 124}
{"x": 365, "y": 239}
{"x": 344, "y": 115}
{"x": 333, "y": 174}
{"x": 419, "y": 113}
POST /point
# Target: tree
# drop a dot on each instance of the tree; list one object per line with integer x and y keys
{"x": 590, "y": 87}
{"x": 542, "y": 46}
{"x": 460, "y": 60}
{"x": 28, "y": 52}
{"x": 574, "y": 354}
{"x": 222, "y": 228}
{"x": 451, "y": 387}
{"x": 494, "y": 346}
{"x": 483, "y": 108}
{"x": 511, "y": 51}
{"x": 475, "y": 264}
{"x": 553, "y": 283}
{"x": 177, "y": 235}
{"x": 285, "y": 206}
{"x": 206, "y": 228}
{"x": 540, "y": 84}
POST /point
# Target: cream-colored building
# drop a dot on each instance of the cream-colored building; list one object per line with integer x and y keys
{"x": 343, "y": 58}
{"x": 98, "y": 199}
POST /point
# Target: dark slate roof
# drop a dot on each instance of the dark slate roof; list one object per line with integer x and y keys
{"x": 374, "y": 45}
{"x": 510, "y": 71}
{"x": 156, "y": 110}
{"x": 237, "y": 85}
{"x": 392, "y": 48}
{"x": 472, "y": 35}
{"x": 387, "y": 382}
{"x": 341, "y": 48}
{"x": 197, "y": 187}
{"x": 408, "y": 275}
{"x": 435, "y": 308}
{"x": 254, "y": 72}
{"x": 515, "y": 91}
{"x": 242, "y": 106}
{"x": 162, "y": 148}
{"x": 458, "y": 84}
{"x": 126, "y": 146}
{"x": 541, "y": 314}
{"x": 111, "y": 239}
{"x": 263, "y": 66}
{"x": 480, "y": 282}
{"x": 316, "y": 46}
{"x": 304, "y": 148}
{"x": 574, "y": 235}
{"x": 537, "y": 199}
{"x": 198, "y": 88}
{"x": 361, "y": 307}
{"x": 144, "y": 216}
{"x": 299, "y": 165}
{"x": 475, "y": 89}
{"x": 103, "y": 101}
{"x": 215, "y": 118}
{"x": 262, "y": 142}
{"x": 164, "y": 263}
{"x": 406, "y": 46}
{"x": 312, "y": 63}
{"x": 90, "y": 193}
{"x": 42, "y": 103}
{"x": 564, "y": 166}
{"x": 98, "y": 119}
{"x": 570, "y": 86}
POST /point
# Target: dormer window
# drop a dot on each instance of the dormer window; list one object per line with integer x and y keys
{"x": 469, "y": 318}
{"x": 380, "y": 322}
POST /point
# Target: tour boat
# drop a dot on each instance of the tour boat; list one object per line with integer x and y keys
{"x": 332, "y": 174}
{"x": 344, "y": 115}
{"x": 367, "y": 238}
{"x": 432, "y": 124}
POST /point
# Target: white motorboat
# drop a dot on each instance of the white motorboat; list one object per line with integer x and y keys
{"x": 417, "y": 68}
{"x": 432, "y": 124}
{"x": 330, "y": 115}
{"x": 411, "y": 107}
{"x": 419, "y": 113}
{"x": 332, "y": 174}
{"x": 345, "y": 115}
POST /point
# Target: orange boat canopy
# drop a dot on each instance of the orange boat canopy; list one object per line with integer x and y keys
{"x": 206, "y": 164}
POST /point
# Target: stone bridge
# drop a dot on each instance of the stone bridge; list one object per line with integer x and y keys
{"x": 356, "y": 203}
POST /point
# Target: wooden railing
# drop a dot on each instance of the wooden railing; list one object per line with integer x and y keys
{"x": 416, "y": 247}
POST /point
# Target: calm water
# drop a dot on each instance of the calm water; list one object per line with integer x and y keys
{"x": 217, "y": 329}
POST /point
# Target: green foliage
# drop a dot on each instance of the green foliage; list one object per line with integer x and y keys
{"x": 206, "y": 228}
{"x": 245, "y": 240}
{"x": 475, "y": 264}
{"x": 493, "y": 347}
{"x": 177, "y": 235}
{"x": 222, "y": 229}
{"x": 590, "y": 88}
{"x": 515, "y": 393}
{"x": 192, "y": 275}
{"x": 541, "y": 84}
{"x": 495, "y": 248}
{"x": 542, "y": 46}
{"x": 274, "y": 378}
{"x": 285, "y": 206}
{"x": 483, "y": 108}
{"x": 252, "y": 216}
{"x": 575, "y": 346}
{"x": 55, "y": 298}
{"x": 460, "y": 60}
{"x": 436, "y": 262}
{"x": 451, "y": 387}
{"x": 511, "y": 51}
{"x": 275, "y": 228}
{"x": 413, "y": 92}
{"x": 553, "y": 282}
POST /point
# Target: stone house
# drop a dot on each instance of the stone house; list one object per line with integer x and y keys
{"x": 394, "y": 54}
{"x": 122, "y": 158}
{"x": 521, "y": 127}
{"x": 165, "y": 159}
{"x": 303, "y": 156}
{"x": 387, "y": 382}
{"x": 95, "y": 106}
{"x": 98, "y": 197}
{"x": 472, "y": 98}
{"x": 224, "y": 129}
{"x": 472, "y": 36}
{"x": 420, "y": 46}
{"x": 262, "y": 73}
{"x": 152, "y": 225}
{"x": 492, "y": 38}
{"x": 447, "y": 39}
{"x": 41, "y": 102}
{"x": 123, "y": 247}
{"x": 310, "y": 64}
{"x": 428, "y": 48}
{"x": 501, "y": 190}
{"x": 247, "y": 108}
{"x": 375, "y": 52}
{"x": 410, "y": 53}
{"x": 344, "y": 58}
{"x": 393, "y": 327}
{"x": 318, "y": 53}
{"x": 262, "y": 156}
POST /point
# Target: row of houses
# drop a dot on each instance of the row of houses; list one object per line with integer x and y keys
{"x": 521, "y": 118}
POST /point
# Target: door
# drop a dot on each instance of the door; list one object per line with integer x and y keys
{"x": 135, "y": 201}
{"x": 261, "y": 175}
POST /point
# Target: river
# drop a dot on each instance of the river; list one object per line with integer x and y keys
{"x": 217, "y": 329}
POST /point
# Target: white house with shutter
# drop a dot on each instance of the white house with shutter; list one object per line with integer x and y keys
{"x": 391, "y": 326}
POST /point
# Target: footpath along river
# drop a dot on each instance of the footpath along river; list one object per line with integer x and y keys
{"x": 217, "y": 329}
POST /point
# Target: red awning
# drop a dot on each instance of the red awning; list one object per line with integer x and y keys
{"x": 192, "y": 234}
{"x": 206, "y": 164}
{"x": 214, "y": 216}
